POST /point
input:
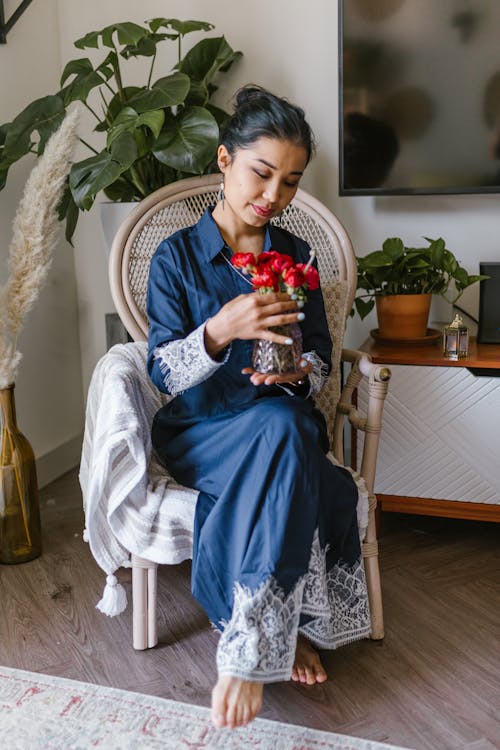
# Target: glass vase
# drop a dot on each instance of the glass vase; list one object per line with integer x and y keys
{"x": 272, "y": 358}
{"x": 20, "y": 532}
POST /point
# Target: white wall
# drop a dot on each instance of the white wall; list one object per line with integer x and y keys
{"x": 49, "y": 387}
{"x": 289, "y": 46}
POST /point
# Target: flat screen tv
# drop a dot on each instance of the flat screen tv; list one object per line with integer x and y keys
{"x": 419, "y": 96}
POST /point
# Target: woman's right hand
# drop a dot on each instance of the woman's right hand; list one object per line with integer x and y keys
{"x": 250, "y": 316}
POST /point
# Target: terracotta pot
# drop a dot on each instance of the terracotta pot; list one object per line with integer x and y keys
{"x": 403, "y": 316}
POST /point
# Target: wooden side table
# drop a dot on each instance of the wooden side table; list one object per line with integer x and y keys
{"x": 440, "y": 444}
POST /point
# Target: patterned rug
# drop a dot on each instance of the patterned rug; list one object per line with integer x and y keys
{"x": 40, "y": 712}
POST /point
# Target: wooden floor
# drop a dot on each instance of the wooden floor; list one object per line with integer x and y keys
{"x": 432, "y": 684}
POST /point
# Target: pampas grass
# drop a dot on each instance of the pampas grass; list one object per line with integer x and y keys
{"x": 34, "y": 234}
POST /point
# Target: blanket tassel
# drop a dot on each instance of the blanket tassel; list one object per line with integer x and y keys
{"x": 114, "y": 598}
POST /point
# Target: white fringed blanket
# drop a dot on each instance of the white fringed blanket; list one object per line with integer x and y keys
{"x": 131, "y": 504}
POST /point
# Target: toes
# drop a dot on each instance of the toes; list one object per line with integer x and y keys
{"x": 246, "y": 715}
{"x": 232, "y": 716}
{"x": 295, "y": 674}
{"x": 321, "y": 675}
{"x": 310, "y": 677}
{"x": 302, "y": 674}
{"x": 218, "y": 713}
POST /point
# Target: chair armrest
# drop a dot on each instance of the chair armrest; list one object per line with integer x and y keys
{"x": 378, "y": 377}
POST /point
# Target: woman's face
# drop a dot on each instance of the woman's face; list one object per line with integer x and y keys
{"x": 261, "y": 180}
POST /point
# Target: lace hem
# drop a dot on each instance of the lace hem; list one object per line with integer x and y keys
{"x": 258, "y": 643}
{"x": 185, "y": 363}
{"x": 320, "y": 372}
{"x": 337, "y": 600}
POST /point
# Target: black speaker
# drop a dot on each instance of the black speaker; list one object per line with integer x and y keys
{"x": 489, "y": 304}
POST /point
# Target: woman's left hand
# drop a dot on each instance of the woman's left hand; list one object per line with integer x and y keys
{"x": 261, "y": 378}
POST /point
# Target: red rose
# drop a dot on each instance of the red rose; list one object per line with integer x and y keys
{"x": 266, "y": 258}
{"x": 266, "y": 278}
{"x": 281, "y": 262}
{"x": 311, "y": 276}
{"x": 243, "y": 260}
{"x": 293, "y": 277}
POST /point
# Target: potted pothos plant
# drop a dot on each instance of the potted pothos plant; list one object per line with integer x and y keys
{"x": 152, "y": 134}
{"x": 400, "y": 281}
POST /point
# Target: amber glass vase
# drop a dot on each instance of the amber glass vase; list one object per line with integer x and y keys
{"x": 20, "y": 533}
{"x": 270, "y": 357}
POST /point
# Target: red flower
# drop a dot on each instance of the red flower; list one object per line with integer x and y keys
{"x": 311, "y": 276}
{"x": 243, "y": 260}
{"x": 267, "y": 257}
{"x": 293, "y": 277}
{"x": 281, "y": 262}
{"x": 266, "y": 278}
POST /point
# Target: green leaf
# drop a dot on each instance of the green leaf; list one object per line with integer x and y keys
{"x": 188, "y": 142}
{"x": 461, "y": 277}
{"x": 121, "y": 191}
{"x": 86, "y": 79}
{"x": 146, "y": 47}
{"x": 206, "y": 58}
{"x": 175, "y": 87}
{"x": 115, "y": 106}
{"x": 181, "y": 27}
{"x": 128, "y": 33}
{"x": 3, "y": 132}
{"x": 89, "y": 40}
{"x": 220, "y": 115}
{"x": 92, "y": 175}
{"x": 129, "y": 120}
{"x": 378, "y": 259}
{"x": 68, "y": 210}
{"x": 450, "y": 263}
{"x": 166, "y": 92}
{"x": 363, "y": 307}
{"x": 393, "y": 247}
{"x": 44, "y": 116}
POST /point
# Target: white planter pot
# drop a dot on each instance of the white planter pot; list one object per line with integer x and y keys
{"x": 112, "y": 215}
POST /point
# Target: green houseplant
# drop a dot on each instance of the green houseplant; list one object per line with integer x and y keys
{"x": 154, "y": 134}
{"x": 398, "y": 277}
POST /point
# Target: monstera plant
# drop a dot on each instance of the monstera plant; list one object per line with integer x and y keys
{"x": 151, "y": 135}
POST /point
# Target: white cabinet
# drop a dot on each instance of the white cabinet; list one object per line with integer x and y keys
{"x": 440, "y": 437}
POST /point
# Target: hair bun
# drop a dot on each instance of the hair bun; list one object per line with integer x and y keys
{"x": 250, "y": 95}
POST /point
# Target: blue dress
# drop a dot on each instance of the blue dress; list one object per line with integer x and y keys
{"x": 276, "y": 543}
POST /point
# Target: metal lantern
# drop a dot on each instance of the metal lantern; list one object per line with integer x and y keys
{"x": 456, "y": 339}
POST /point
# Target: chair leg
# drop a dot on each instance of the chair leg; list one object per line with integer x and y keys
{"x": 144, "y": 603}
{"x": 370, "y": 556}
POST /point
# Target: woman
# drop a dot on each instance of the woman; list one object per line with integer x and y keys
{"x": 276, "y": 559}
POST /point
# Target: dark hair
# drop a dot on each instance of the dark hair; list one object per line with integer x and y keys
{"x": 260, "y": 114}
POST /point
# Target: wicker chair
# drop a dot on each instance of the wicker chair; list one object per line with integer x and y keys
{"x": 181, "y": 204}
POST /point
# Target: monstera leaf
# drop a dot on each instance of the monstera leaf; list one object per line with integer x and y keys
{"x": 149, "y": 134}
{"x": 188, "y": 143}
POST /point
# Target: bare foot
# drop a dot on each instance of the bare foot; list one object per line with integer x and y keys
{"x": 307, "y": 667}
{"x": 235, "y": 702}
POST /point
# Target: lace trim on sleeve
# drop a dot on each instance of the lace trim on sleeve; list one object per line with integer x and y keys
{"x": 185, "y": 363}
{"x": 319, "y": 375}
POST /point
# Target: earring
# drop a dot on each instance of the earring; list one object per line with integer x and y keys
{"x": 220, "y": 192}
